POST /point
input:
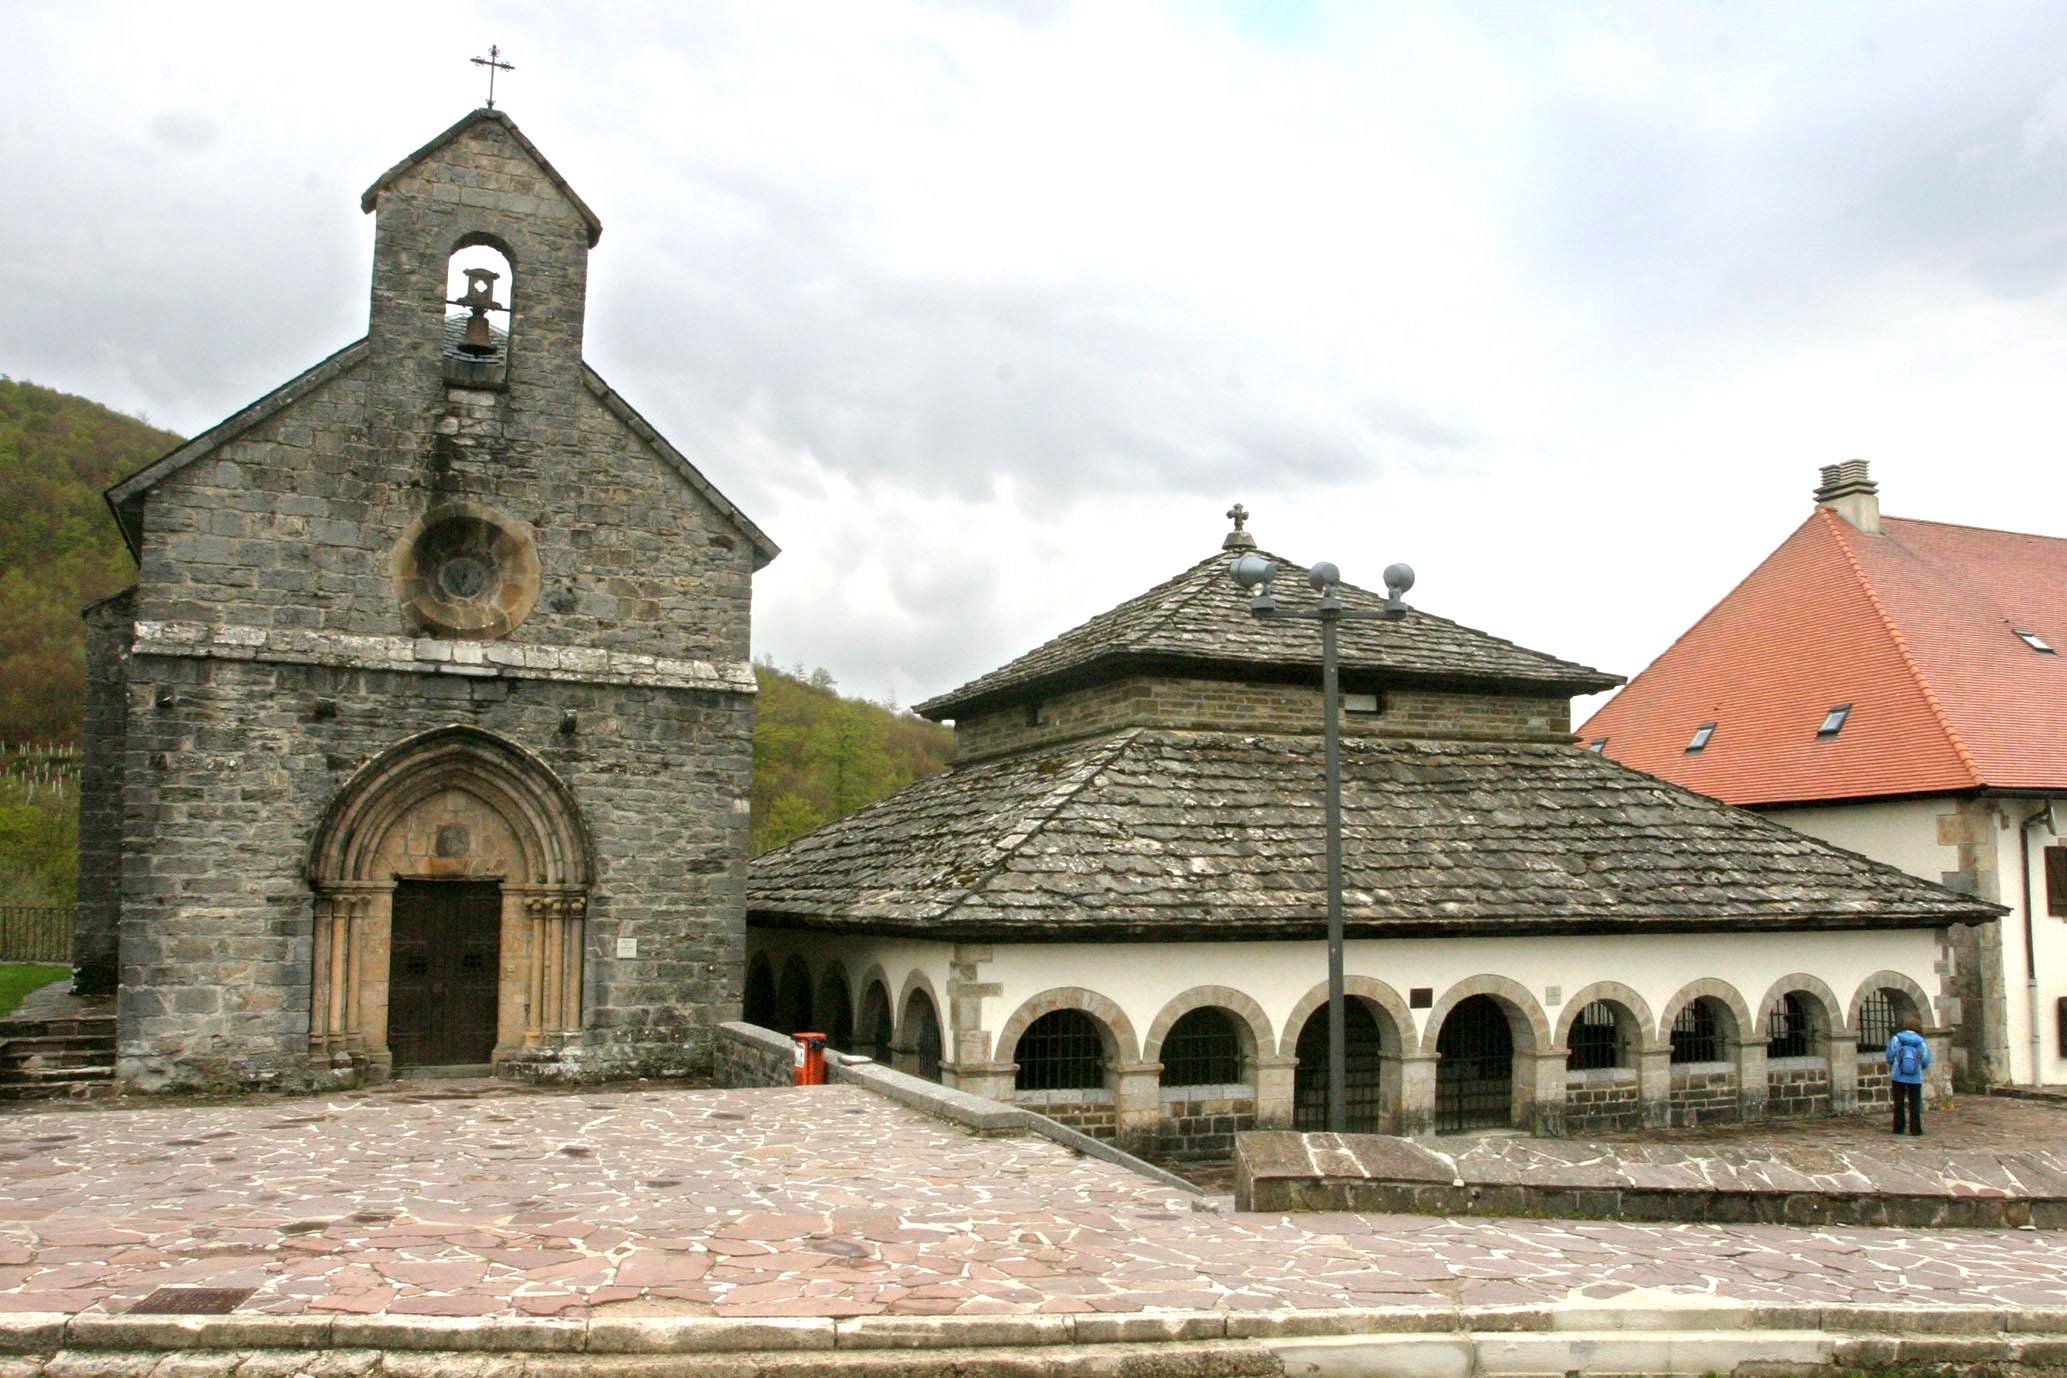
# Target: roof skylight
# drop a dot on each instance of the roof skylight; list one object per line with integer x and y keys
{"x": 1700, "y": 737}
{"x": 1834, "y": 720}
{"x": 2035, "y": 642}
{"x": 1597, "y": 745}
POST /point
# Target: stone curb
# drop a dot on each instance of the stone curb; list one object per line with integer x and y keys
{"x": 1913, "y": 1330}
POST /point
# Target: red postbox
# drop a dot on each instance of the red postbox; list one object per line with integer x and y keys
{"x": 810, "y": 1059}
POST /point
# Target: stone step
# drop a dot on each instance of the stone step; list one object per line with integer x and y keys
{"x": 46, "y": 1076}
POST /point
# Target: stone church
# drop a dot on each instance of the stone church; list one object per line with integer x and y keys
{"x": 423, "y": 738}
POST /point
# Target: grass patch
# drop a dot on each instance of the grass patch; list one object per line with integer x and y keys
{"x": 17, "y": 979}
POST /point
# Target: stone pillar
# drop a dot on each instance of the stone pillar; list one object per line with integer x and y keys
{"x": 1654, "y": 1083}
{"x": 1543, "y": 1110}
{"x": 1750, "y": 1057}
{"x": 966, "y": 1043}
{"x": 1844, "y": 1071}
{"x": 1937, "y": 1079}
{"x": 1137, "y": 1110}
{"x": 1416, "y": 1114}
{"x": 1272, "y": 1078}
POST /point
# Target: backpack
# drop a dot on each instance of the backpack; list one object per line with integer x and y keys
{"x": 1905, "y": 1060}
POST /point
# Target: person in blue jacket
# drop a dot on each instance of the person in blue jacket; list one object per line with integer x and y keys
{"x": 1909, "y": 1057}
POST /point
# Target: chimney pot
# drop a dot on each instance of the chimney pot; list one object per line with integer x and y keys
{"x": 1848, "y": 491}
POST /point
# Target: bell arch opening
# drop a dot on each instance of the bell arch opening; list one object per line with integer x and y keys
{"x": 451, "y": 878}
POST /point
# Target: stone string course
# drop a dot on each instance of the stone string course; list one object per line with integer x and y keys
{"x": 428, "y": 655}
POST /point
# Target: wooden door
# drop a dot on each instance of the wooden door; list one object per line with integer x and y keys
{"x": 442, "y": 975}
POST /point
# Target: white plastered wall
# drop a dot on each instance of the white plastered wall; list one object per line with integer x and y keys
{"x": 1142, "y": 978}
{"x": 1905, "y": 833}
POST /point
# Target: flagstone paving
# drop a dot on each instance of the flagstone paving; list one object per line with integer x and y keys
{"x": 476, "y": 1200}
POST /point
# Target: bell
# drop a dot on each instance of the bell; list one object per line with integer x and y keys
{"x": 479, "y": 340}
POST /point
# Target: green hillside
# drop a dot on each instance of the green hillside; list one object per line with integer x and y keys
{"x": 818, "y": 756}
{"x": 59, "y": 549}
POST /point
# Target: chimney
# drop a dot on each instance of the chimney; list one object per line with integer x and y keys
{"x": 1848, "y": 492}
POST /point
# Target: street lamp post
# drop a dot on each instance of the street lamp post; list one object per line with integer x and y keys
{"x": 1254, "y": 573}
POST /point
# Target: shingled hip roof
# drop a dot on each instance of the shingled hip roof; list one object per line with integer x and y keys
{"x": 1163, "y": 834}
{"x": 1913, "y": 626}
{"x": 1200, "y": 617}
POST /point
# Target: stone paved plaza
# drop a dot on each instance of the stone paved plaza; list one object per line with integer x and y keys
{"x": 475, "y": 1199}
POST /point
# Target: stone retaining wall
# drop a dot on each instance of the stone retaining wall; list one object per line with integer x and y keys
{"x": 1203, "y": 1128}
{"x": 748, "y": 1055}
{"x": 1280, "y": 1171}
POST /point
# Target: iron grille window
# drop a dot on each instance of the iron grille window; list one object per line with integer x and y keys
{"x": 1202, "y": 1050}
{"x": 1593, "y": 1043}
{"x": 1697, "y": 1034}
{"x": 1876, "y": 1019}
{"x": 1787, "y": 1028}
{"x": 1361, "y": 1062}
{"x": 1474, "y": 1070}
{"x": 1061, "y": 1051}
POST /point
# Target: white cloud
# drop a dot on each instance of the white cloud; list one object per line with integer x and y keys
{"x": 987, "y": 313}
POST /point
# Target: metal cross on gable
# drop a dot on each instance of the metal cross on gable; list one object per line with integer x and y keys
{"x": 494, "y": 63}
{"x": 1238, "y": 514}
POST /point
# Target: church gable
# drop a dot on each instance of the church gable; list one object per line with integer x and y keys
{"x": 333, "y": 504}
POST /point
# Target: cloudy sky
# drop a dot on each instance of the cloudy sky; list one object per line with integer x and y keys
{"x": 987, "y": 313}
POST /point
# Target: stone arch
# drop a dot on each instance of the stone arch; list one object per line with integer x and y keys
{"x": 1382, "y": 999}
{"x": 1110, "y": 1016}
{"x": 522, "y": 789}
{"x": 1396, "y": 1038}
{"x": 1824, "y": 1005}
{"x": 1524, "y": 1016}
{"x": 1889, "y": 980}
{"x": 481, "y": 358}
{"x": 757, "y": 996}
{"x": 1722, "y": 992}
{"x": 451, "y": 805}
{"x": 921, "y": 1032}
{"x": 833, "y": 1006}
{"x": 875, "y": 1027}
{"x": 793, "y": 996}
{"x": 1249, "y": 1020}
{"x": 1614, "y": 993}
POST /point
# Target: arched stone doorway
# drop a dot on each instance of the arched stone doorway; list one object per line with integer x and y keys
{"x": 451, "y": 877}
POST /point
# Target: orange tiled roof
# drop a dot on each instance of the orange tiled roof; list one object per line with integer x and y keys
{"x": 1914, "y": 627}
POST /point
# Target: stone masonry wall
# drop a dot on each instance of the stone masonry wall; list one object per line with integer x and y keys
{"x": 1798, "y": 1090}
{"x": 1703, "y": 1098}
{"x": 97, "y": 919}
{"x": 1594, "y": 1103}
{"x": 1187, "y": 702}
{"x": 232, "y": 764}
